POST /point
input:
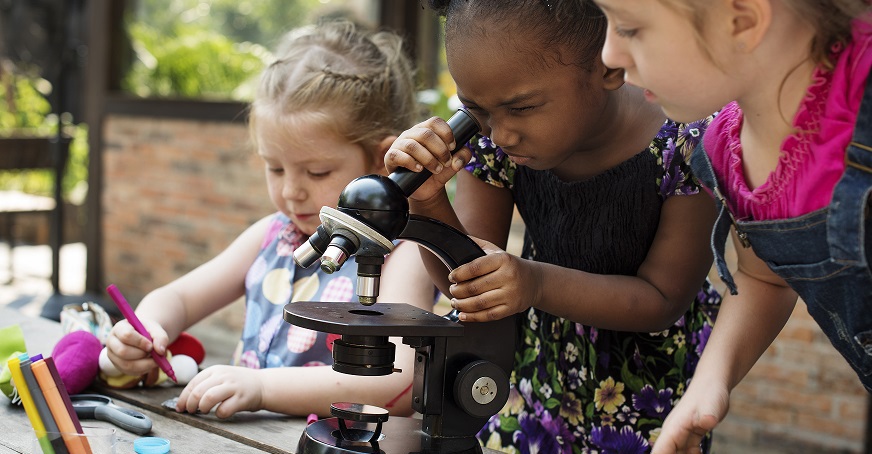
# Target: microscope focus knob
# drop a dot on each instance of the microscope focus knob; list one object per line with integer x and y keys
{"x": 481, "y": 389}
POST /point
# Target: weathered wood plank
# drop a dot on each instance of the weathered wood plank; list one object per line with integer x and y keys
{"x": 244, "y": 432}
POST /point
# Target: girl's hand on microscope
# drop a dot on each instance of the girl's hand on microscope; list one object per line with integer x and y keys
{"x": 427, "y": 145}
{"x": 224, "y": 389}
{"x": 130, "y": 351}
{"x": 494, "y": 286}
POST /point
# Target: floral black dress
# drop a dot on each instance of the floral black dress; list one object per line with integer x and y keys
{"x": 576, "y": 388}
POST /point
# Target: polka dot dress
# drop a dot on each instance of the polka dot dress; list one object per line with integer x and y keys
{"x": 274, "y": 280}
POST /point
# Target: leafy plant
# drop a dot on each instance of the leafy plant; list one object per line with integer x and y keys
{"x": 27, "y": 112}
{"x": 207, "y": 49}
{"x": 192, "y": 63}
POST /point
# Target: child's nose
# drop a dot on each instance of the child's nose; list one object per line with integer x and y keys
{"x": 611, "y": 53}
{"x": 293, "y": 191}
{"x": 502, "y": 136}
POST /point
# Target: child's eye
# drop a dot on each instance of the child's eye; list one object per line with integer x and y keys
{"x": 276, "y": 170}
{"x": 474, "y": 109}
{"x": 319, "y": 174}
{"x": 522, "y": 109}
{"x": 625, "y": 32}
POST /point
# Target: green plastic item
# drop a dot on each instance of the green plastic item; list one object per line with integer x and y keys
{"x": 11, "y": 345}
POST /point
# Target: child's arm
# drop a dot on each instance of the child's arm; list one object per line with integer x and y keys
{"x": 499, "y": 285}
{"x": 170, "y": 309}
{"x": 747, "y": 324}
{"x": 305, "y": 390}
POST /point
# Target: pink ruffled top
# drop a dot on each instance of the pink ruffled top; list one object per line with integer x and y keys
{"x": 813, "y": 159}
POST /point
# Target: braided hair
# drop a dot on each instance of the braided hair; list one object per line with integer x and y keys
{"x": 360, "y": 82}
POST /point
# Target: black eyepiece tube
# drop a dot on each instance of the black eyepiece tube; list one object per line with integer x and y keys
{"x": 464, "y": 126}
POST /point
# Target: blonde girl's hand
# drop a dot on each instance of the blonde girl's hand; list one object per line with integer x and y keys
{"x": 697, "y": 413}
{"x": 494, "y": 286}
{"x": 130, "y": 351}
{"x": 229, "y": 388}
{"x": 427, "y": 145}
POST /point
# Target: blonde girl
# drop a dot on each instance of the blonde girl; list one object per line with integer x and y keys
{"x": 326, "y": 112}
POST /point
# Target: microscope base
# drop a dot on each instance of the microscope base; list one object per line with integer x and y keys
{"x": 398, "y": 436}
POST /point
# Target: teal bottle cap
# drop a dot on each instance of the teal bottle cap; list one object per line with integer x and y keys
{"x": 151, "y": 445}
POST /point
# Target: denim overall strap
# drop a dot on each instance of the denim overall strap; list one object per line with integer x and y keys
{"x": 702, "y": 169}
{"x": 846, "y": 219}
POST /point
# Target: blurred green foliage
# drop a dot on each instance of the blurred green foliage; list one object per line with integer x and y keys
{"x": 196, "y": 49}
{"x": 26, "y": 112}
{"x": 211, "y": 49}
{"x": 192, "y": 63}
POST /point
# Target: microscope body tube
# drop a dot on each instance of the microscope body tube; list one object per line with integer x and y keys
{"x": 464, "y": 126}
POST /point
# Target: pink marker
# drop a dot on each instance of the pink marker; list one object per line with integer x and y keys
{"x": 127, "y": 312}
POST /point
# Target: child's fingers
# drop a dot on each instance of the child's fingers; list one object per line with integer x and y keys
{"x": 200, "y": 396}
{"x": 398, "y": 155}
{"x": 124, "y": 333}
{"x": 420, "y": 148}
{"x": 159, "y": 338}
{"x": 684, "y": 436}
{"x": 129, "y": 360}
{"x": 441, "y": 129}
{"x": 488, "y": 315}
{"x": 475, "y": 269}
{"x": 118, "y": 349}
{"x": 189, "y": 390}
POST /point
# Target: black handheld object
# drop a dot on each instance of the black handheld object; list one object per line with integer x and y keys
{"x": 464, "y": 126}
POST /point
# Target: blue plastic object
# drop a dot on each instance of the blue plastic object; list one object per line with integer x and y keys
{"x": 151, "y": 445}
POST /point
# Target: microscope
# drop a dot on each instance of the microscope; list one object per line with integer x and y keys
{"x": 461, "y": 375}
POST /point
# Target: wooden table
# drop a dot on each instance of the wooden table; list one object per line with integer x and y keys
{"x": 244, "y": 432}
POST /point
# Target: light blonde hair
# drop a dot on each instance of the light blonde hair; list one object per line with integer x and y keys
{"x": 831, "y": 20}
{"x": 359, "y": 82}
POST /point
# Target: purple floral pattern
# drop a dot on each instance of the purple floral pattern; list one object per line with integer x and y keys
{"x": 579, "y": 389}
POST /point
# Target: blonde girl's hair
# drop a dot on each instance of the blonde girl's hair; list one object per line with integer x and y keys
{"x": 831, "y": 20}
{"x": 358, "y": 81}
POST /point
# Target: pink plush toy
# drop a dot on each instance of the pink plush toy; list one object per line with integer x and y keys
{"x": 77, "y": 357}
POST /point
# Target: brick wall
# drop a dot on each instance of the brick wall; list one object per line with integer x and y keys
{"x": 176, "y": 193}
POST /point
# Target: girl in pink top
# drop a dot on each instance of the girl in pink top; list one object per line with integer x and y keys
{"x": 789, "y": 160}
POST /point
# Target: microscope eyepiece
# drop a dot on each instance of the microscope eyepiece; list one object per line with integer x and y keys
{"x": 464, "y": 126}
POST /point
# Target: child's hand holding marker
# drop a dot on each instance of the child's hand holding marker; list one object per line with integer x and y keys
{"x": 137, "y": 325}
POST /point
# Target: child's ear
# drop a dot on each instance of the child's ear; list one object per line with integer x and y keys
{"x": 750, "y": 22}
{"x": 613, "y": 78}
{"x": 378, "y": 164}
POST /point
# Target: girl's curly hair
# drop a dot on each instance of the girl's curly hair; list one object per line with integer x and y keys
{"x": 561, "y": 24}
